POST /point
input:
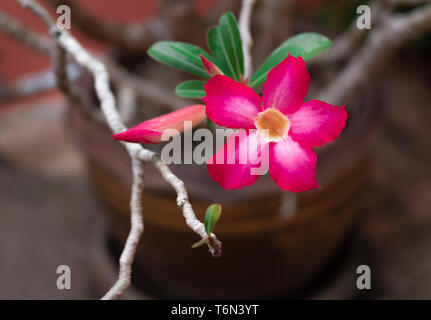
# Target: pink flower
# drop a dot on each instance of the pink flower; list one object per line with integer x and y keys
{"x": 287, "y": 128}
{"x": 151, "y": 131}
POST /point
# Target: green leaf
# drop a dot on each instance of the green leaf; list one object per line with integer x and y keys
{"x": 181, "y": 56}
{"x": 211, "y": 217}
{"x": 306, "y": 45}
{"x": 210, "y": 125}
{"x": 215, "y": 45}
{"x": 226, "y": 46}
{"x": 191, "y": 89}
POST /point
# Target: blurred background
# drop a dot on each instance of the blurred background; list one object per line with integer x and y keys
{"x": 64, "y": 184}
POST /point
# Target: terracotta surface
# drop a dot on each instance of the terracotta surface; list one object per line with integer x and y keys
{"x": 24, "y": 61}
{"x": 16, "y": 60}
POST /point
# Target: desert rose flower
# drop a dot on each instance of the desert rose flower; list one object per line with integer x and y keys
{"x": 151, "y": 130}
{"x": 287, "y": 127}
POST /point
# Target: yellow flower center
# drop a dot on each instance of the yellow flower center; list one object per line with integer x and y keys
{"x": 272, "y": 124}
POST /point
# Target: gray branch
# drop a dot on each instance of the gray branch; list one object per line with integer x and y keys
{"x": 375, "y": 53}
{"x": 138, "y": 154}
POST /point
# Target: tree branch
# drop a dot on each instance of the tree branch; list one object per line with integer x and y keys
{"x": 171, "y": 22}
{"x": 345, "y": 44}
{"x": 412, "y": 3}
{"x": 184, "y": 203}
{"x": 375, "y": 53}
{"x": 136, "y": 151}
{"x": 247, "y": 40}
{"x": 132, "y": 37}
{"x": 145, "y": 90}
{"x": 15, "y": 29}
{"x": 136, "y": 230}
{"x": 126, "y": 103}
{"x": 71, "y": 91}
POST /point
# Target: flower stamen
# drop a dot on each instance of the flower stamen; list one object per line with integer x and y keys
{"x": 272, "y": 124}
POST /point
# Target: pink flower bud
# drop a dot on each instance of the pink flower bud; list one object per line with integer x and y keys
{"x": 210, "y": 67}
{"x": 151, "y": 131}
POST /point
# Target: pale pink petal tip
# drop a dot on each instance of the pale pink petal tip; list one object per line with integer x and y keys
{"x": 292, "y": 166}
{"x": 316, "y": 123}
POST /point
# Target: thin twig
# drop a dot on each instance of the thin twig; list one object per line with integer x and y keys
{"x": 147, "y": 91}
{"x": 411, "y": 3}
{"x": 136, "y": 151}
{"x": 183, "y": 202}
{"x": 31, "y": 84}
{"x": 346, "y": 43}
{"x": 15, "y": 29}
{"x": 132, "y": 36}
{"x": 126, "y": 103}
{"x": 247, "y": 40}
{"x": 136, "y": 229}
{"x": 70, "y": 90}
{"x": 375, "y": 53}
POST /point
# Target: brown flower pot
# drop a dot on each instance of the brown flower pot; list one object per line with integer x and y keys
{"x": 266, "y": 253}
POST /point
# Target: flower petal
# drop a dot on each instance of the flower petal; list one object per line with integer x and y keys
{"x": 241, "y": 161}
{"x": 292, "y": 166}
{"x": 316, "y": 123}
{"x": 139, "y": 135}
{"x": 287, "y": 85}
{"x": 230, "y": 103}
{"x": 151, "y": 131}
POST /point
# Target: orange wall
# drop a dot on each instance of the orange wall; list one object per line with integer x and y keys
{"x": 16, "y": 60}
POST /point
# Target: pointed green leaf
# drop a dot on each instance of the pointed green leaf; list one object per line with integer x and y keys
{"x": 215, "y": 45}
{"x": 211, "y": 217}
{"x": 226, "y": 46}
{"x": 181, "y": 56}
{"x": 191, "y": 89}
{"x": 306, "y": 45}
